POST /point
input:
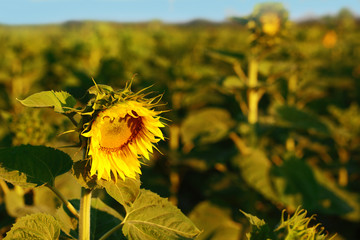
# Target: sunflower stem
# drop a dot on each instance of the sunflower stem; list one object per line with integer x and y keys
{"x": 253, "y": 98}
{"x": 84, "y": 222}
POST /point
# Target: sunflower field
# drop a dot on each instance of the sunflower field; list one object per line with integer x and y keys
{"x": 246, "y": 129}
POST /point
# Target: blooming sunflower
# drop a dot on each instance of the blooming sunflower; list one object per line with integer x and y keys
{"x": 120, "y": 135}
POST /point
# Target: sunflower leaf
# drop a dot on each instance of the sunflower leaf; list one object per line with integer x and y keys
{"x": 81, "y": 172}
{"x": 206, "y": 126}
{"x": 125, "y": 192}
{"x": 256, "y": 170}
{"x": 300, "y": 119}
{"x": 103, "y": 218}
{"x": 37, "y": 226}
{"x": 61, "y": 101}
{"x": 216, "y": 222}
{"x": 298, "y": 183}
{"x": 153, "y": 217}
{"x": 32, "y": 166}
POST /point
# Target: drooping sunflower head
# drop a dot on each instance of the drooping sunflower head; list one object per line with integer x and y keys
{"x": 121, "y": 133}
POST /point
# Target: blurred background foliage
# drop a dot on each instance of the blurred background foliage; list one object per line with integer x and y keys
{"x": 264, "y": 112}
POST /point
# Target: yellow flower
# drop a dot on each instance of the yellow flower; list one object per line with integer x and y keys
{"x": 120, "y": 135}
{"x": 330, "y": 39}
{"x": 270, "y": 23}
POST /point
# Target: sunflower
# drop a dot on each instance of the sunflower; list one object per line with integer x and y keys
{"x": 270, "y": 23}
{"x": 120, "y": 135}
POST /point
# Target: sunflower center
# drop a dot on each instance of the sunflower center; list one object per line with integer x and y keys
{"x": 118, "y": 132}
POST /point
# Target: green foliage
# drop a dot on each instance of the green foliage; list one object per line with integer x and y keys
{"x": 29, "y": 127}
{"x": 33, "y": 165}
{"x": 215, "y": 222}
{"x": 293, "y": 228}
{"x": 294, "y": 183}
{"x": 302, "y": 184}
{"x": 335, "y": 199}
{"x": 300, "y": 119}
{"x": 259, "y": 229}
{"x": 16, "y": 177}
{"x": 124, "y": 192}
{"x": 38, "y": 226}
{"x": 206, "y": 126}
{"x": 153, "y": 217}
{"x": 255, "y": 169}
{"x": 81, "y": 172}
{"x": 297, "y": 227}
{"x": 103, "y": 219}
{"x": 61, "y": 101}
{"x": 302, "y": 150}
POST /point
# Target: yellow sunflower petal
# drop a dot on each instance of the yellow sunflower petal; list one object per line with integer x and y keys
{"x": 119, "y": 136}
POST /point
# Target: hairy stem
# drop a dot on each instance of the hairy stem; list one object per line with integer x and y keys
{"x": 84, "y": 223}
{"x": 64, "y": 200}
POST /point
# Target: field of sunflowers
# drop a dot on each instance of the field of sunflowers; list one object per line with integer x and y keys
{"x": 261, "y": 119}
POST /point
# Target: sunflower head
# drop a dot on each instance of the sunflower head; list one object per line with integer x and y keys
{"x": 121, "y": 129}
{"x": 268, "y": 24}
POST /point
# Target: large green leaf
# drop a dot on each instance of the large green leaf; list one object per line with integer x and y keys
{"x": 37, "y": 165}
{"x": 152, "y": 217}
{"x": 208, "y": 125}
{"x": 15, "y": 177}
{"x": 215, "y": 222}
{"x": 125, "y": 192}
{"x": 299, "y": 184}
{"x": 37, "y": 226}
{"x": 300, "y": 119}
{"x": 255, "y": 170}
{"x": 60, "y": 101}
{"x": 336, "y": 200}
{"x": 103, "y": 218}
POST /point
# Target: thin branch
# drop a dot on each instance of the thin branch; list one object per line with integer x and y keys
{"x": 71, "y": 117}
{"x": 240, "y": 144}
{"x": 64, "y": 200}
{"x": 239, "y": 71}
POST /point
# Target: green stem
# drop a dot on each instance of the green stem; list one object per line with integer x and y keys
{"x": 111, "y": 231}
{"x": 64, "y": 200}
{"x": 71, "y": 117}
{"x": 253, "y": 98}
{"x": 84, "y": 223}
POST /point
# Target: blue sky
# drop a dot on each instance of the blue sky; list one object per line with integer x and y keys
{"x": 57, "y": 11}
